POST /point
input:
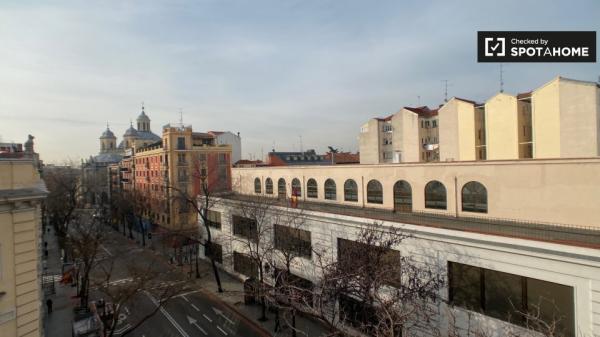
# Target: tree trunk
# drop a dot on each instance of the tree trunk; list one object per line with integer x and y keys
{"x": 217, "y": 277}
{"x": 263, "y": 302}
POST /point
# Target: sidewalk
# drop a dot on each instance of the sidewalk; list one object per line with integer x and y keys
{"x": 59, "y": 322}
{"x": 233, "y": 297}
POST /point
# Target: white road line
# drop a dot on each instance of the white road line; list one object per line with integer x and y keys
{"x": 188, "y": 293}
{"x": 195, "y": 307}
{"x": 223, "y": 331}
{"x": 207, "y": 318}
{"x": 168, "y": 316}
{"x": 185, "y": 298}
{"x": 106, "y": 250}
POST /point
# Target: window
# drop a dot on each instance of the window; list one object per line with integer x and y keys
{"x": 330, "y": 192}
{"x": 257, "y": 186}
{"x": 181, "y": 158}
{"x": 474, "y": 197}
{"x": 245, "y": 265}
{"x": 180, "y": 143}
{"x": 434, "y": 123}
{"x": 352, "y": 254}
{"x": 222, "y": 158}
{"x": 213, "y": 219}
{"x": 281, "y": 193}
{"x": 245, "y": 227}
{"x": 435, "y": 195}
{"x": 505, "y": 296}
{"x": 296, "y": 187}
{"x": 350, "y": 190}
{"x": 387, "y": 127}
{"x": 312, "y": 189}
{"x": 296, "y": 241}
{"x": 269, "y": 186}
{"x": 402, "y": 196}
{"x": 214, "y": 251}
{"x": 374, "y": 192}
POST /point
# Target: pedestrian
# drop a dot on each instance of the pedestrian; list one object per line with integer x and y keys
{"x": 49, "y": 305}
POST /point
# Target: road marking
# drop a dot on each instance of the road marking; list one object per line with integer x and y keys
{"x": 194, "y": 322}
{"x": 223, "y": 331}
{"x": 106, "y": 250}
{"x": 168, "y": 316}
{"x": 185, "y": 298}
{"x": 195, "y": 307}
{"x": 220, "y": 313}
{"x": 123, "y": 329}
{"x": 188, "y": 293}
{"x": 207, "y": 318}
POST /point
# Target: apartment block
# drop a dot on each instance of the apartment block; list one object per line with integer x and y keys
{"x": 410, "y": 135}
{"x": 561, "y": 119}
{"x": 482, "y": 223}
{"x": 21, "y": 194}
{"x": 176, "y": 165}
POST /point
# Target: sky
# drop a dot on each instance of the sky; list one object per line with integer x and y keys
{"x": 282, "y": 73}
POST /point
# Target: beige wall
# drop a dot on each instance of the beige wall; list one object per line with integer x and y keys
{"x": 457, "y": 130}
{"x": 368, "y": 143}
{"x": 579, "y": 114}
{"x": 406, "y": 135}
{"x": 501, "y": 127}
{"x": 19, "y": 249}
{"x": 562, "y": 191}
{"x": 546, "y": 121}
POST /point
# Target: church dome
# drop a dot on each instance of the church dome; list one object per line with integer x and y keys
{"x": 131, "y": 132}
{"x": 107, "y": 134}
{"x": 143, "y": 117}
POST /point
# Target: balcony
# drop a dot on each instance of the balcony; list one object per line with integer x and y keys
{"x": 555, "y": 233}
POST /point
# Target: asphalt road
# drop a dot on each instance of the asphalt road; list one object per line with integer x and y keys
{"x": 190, "y": 313}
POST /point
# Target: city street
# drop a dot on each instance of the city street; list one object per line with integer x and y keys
{"x": 192, "y": 312}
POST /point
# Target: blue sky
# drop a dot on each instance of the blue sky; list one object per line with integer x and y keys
{"x": 272, "y": 70}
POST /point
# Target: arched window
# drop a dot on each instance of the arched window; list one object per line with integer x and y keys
{"x": 257, "y": 185}
{"x": 296, "y": 187}
{"x": 281, "y": 188}
{"x": 474, "y": 197}
{"x": 435, "y": 195}
{"x": 312, "y": 191}
{"x": 374, "y": 192}
{"x": 269, "y": 186}
{"x": 402, "y": 196}
{"x": 350, "y": 190}
{"x": 330, "y": 192}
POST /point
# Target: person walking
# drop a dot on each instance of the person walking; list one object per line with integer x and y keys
{"x": 49, "y": 305}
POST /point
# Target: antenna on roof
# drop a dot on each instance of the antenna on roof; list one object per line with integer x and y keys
{"x": 445, "y": 90}
{"x": 501, "y": 78}
{"x": 181, "y": 116}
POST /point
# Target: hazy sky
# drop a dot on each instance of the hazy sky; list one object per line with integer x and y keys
{"x": 272, "y": 70}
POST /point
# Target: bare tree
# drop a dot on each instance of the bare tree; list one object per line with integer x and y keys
{"x": 63, "y": 197}
{"x": 374, "y": 288}
{"x": 86, "y": 237}
{"x": 142, "y": 279}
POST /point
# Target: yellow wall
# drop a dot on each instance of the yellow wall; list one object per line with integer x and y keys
{"x": 501, "y": 127}
{"x": 19, "y": 251}
{"x": 578, "y": 118}
{"x": 369, "y": 143}
{"x": 546, "y": 121}
{"x": 457, "y": 130}
{"x": 563, "y": 191}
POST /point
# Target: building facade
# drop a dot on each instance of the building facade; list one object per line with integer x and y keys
{"x": 531, "y": 226}
{"x": 21, "y": 193}
{"x": 229, "y": 138}
{"x": 410, "y": 135}
{"x": 560, "y": 119}
{"x": 175, "y": 166}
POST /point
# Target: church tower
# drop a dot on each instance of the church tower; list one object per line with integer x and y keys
{"x": 108, "y": 141}
{"x": 143, "y": 122}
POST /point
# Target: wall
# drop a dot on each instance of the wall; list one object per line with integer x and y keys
{"x": 571, "y": 266}
{"x": 457, "y": 130}
{"x": 579, "y": 114}
{"x": 562, "y": 191}
{"x": 368, "y": 143}
{"x": 236, "y": 144}
{"x": 411, "y": 143}
{"x": 20, "y": 306}
{"x": 501, "y": 127}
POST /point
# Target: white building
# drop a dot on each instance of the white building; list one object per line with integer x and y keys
{"x": 229, "y": 138}
{"x": 532, "y": 227}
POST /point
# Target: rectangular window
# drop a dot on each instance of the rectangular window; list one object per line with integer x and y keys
{"x": 245, "y": 265}
{"x": 505, "y": 296}
{"x": 293, "y": 240}
{"x": 180, "y": 143}
{"x": 213, "y": 219}
{"x": 351, "y": 253}
{"x": 434, "y": 123}
{"x": 222, "y": 158}
{"x": 245, "y": 227}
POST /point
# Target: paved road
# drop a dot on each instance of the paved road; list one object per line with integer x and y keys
{"x": 191, "y": 313}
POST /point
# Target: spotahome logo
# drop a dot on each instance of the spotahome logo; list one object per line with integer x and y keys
{"x": 536, "y": 46}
